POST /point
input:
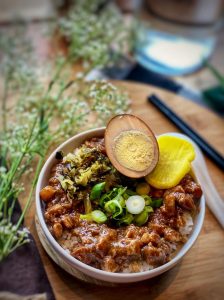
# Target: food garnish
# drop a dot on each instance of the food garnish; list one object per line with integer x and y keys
{"x": 117, "y": 206}
{"x": 97, "y": 190}
{"x": 174, "y": 163}
{"x": 96, "y": 216}
{"x": 123, "y": 206}
{"x": 142, "y": 218}
{"x": 135, "y": 204}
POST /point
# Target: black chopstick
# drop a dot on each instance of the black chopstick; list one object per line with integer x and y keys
{"x": 217, "y": 158}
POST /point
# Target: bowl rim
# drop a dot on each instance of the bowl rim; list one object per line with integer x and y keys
{"x": 91, "y": 270}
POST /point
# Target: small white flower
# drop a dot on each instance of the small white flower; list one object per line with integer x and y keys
{"x": 79, "y": 75}
{"x": 3, "y": 169}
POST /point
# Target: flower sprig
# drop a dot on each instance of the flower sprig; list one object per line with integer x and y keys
{"x": 96, "y": 33}
{"x": 43, "y": 116}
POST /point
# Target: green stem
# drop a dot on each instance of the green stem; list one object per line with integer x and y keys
{"x": 6, "y": 184}
{"x": 61, "y": 91}
{"x": 216, "y": 73}
{"x": 9, "y": 243}
{"x": 4, "y": 98}
{"x": 39, "y": 165}
{"x": 10, "y": 209}
{"x": 18, "y": 244}
{"x": 56, "y": 76}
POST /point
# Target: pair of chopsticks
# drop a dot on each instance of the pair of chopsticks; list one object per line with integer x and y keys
{"x": 217, "y": 158}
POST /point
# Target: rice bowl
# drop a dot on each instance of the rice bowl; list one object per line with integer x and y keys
{"x": 62, "y": 254}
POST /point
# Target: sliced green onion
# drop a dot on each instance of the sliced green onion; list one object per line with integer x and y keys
{"x": 97, "y": 216}
{"x": 104, "y": 199}
{"x": 148, "y": 199}
{"x": 128, "y": 193}
{"x": 121, "y": 201}
{"x": 135, "y": 204}
{"x": 120, "y": 191}
{"x": 141, "y": 218}
{"x": 87, "y": 217}
{"x": 113, "y": 207}
{"x": 127, "y": 219}
{"x": 149, "y": 209}
{"x": 87, "y": 205}
{"x": 108, "y": 196}
{"x": 116, "y": 193}
{"x": 156, "y": 202}
{"x": 97, "y": 190}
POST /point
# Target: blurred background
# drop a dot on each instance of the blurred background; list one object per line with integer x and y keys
{"x": 178, "y": 45}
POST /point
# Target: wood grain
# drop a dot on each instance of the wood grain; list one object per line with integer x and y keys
{"x": 200, "y": 274}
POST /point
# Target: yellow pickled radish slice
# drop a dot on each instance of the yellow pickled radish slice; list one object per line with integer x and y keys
{"x": 175, "y": 157}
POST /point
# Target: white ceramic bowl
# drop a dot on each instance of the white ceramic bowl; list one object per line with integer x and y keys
{"x": 74, "y": 266}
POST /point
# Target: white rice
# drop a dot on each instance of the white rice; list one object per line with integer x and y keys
{"x": 143, "y": 266}
{"x": 188, "y": 224}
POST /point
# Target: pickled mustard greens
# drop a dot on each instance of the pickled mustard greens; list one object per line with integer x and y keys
{"x": 174, "y": 163}
{"x": 134, "y": 150}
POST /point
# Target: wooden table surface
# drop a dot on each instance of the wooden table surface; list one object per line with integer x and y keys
{"x": 200, "y": 274}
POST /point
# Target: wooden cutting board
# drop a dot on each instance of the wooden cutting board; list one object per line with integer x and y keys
{"x": 200, "y": 275}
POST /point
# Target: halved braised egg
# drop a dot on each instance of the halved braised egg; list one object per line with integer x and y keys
{"x": 131, "y": 146}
